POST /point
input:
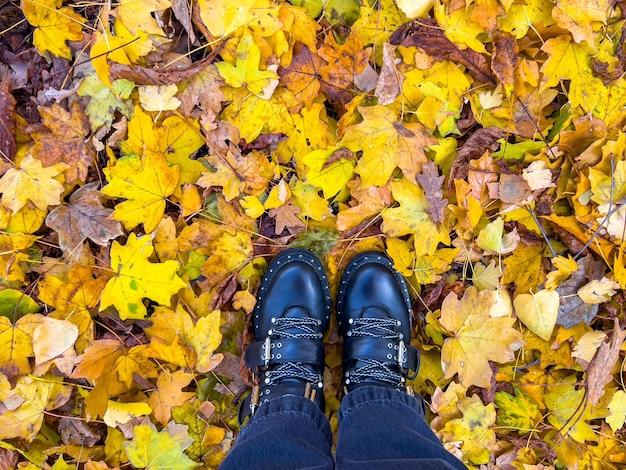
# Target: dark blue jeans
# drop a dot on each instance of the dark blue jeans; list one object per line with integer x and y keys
{"x": 379, "y": 428}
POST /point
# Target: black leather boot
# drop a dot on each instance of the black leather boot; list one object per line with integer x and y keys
{"x": 290, "y": 317}
{"x": 374, "y": 316}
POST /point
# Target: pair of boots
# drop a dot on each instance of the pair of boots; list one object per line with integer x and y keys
{"x": 293, "y": 311}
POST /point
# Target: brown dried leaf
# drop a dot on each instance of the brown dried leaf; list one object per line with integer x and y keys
{"x": 513, "y": 189}
{"x": 204, "y": 89}
{"x": 505, "y": 55}
{"x": 7, "y": 121}
{"x": 479, "y": 142}
{"x": 302, "y": 75}
{"x": 599, "y": 372}
{"x": 428, "y": 36}
{"x": 75, "y": 432}
{"x": 8, "y": 458}
{"x": 432, "y": 183}
{"x": 166, "y": 76}
{"x": 67, "y": 141}
{"x": 84, "y": 217}
{"x": 183, "y": 14}
{"x": 390, "y": 81}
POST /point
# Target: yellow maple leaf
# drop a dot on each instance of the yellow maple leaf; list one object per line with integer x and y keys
{"x": 309, "y": 131}
{"x": 205, "y": 337}
{"x": 54, "y": 26}
{"x": 246, "y": 72}
{"x": 16, "y": 345}
{"x": 328, "y": 170}
{"x": 32, "y": 182}
{"x": 582, "y": 18}
{"x": 524, "y": 268}
{"x": 174, "y": 330}
{"x": 98, "y": 359}
{"x": 74, "y": 297}
{"x": 458, "y": 26}
{"x": 307, "y": 198}
{"x": 158, "y": 97}
{"x": 137, "y": 15}
{"x": 568, "y": 60}
{"x": 474, "y": 430}
{"x": 13, "y": 256}
{"x": 35, "y": 396}
{"x": 252, "y": 114}
{"x": 568, "y": 411}
{"x": 377, "y": 22}
{"x": 522, "y": 16}
{"x": 146, "y": 183}
{"x": 476, "y": 336}
{"x": 223, "y": 17}
{"x": 137, "y": 278}
{"x": 411, "y": 218}
{"x": 178, "y": 139}
{"x": 386, "y": 144}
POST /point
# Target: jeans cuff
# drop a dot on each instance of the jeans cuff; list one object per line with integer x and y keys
{"x": 293, "y": 405}
{"x": 363, "y": 395}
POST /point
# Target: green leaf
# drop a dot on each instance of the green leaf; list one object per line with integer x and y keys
{"x": 517, "y": 412}
{"x": 15, "y": 304}
{"x": 152, "y": 449}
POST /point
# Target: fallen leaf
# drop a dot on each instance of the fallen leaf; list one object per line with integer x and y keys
{"x": 54, "y": 25}
{"x": 168, "y": 394}
{"x": 39, "y": 395}
{"x": 246, "y": 72}
{"x": 84, "y": 217}
{"x": 137, "y": 278}
{"x": 122, "y": 413}
{"x": 538, "y": 311}
{"x": 32, "y": 182}
{"x": 517, "y": 412}
{"x": 65, "y": 141}
{"x": 7, "y": 121}
{"x": 588, "y": 344}
{"x": 152, "y": 449}
{"x": 476, "y": 337}
{"x": 600, "y": 368}
{"x": 598, "y": 291}
{"x": 618, "y": 410}
{"x": 432, "y": 183}
{"x": 145, "y": 183}
{"x": 428, "y": 36}
{"x": 411, "y": 217}
{"x": 158, "y": 97}
{"x": 386, "y": 144}
{"x": 474, "y": 430}
{"x": 51, "y": 338}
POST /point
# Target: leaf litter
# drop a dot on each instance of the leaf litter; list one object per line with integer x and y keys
{"x": 154, "y": 154}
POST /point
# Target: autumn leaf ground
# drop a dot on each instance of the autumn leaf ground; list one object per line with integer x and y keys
{"x": 156, "y": 154}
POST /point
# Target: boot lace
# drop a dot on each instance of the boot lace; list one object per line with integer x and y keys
{"x": 378, "y": 370}
{"x": 283, "y": 328}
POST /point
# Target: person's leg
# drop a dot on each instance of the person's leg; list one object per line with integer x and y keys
{"x": 380, "y": 424}
{"x": 286, "y": 433}
{"x": 287, "y": 427}
{"x": 384, "y": 428}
